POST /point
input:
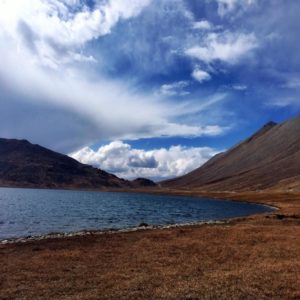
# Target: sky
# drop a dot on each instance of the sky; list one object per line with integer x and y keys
{"x": 146, "y": 88}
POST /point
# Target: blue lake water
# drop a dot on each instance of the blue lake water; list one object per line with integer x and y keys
{"x": 25, "y": 212}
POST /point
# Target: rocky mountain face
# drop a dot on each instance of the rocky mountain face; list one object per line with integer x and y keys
{"x": 23, "y": 164}
{"x": 269, "y": 159}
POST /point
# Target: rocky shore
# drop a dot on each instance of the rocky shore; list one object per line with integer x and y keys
{"x": 61, "y": 235}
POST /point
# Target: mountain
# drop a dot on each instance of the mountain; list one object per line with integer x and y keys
{"x": 269, "y": 159}
{"x": 143, "y": 182}
{"x": 23, "y": 164}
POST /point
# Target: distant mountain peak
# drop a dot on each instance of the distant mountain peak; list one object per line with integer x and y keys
{"x": 270, "y": 124}
{"x": 261, "y": 131}
{"x": 143, "y": 182}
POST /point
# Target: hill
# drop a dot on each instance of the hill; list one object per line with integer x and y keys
{"x": 269, "y": 159}
{"x": 23, "y": 164}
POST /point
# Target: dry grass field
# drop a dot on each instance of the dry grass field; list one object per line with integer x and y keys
{"x": 250, "y": 258}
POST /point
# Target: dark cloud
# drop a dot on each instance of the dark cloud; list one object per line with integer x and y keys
{"x": 28, "y": 35}
{"x": 142, "y": 162}
{"x": 44, "y": 124}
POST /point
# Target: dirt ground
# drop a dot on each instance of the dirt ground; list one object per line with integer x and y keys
{"x": 248, "y": 258}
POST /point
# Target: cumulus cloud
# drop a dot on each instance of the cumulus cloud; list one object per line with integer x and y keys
{"x": 55, "y": 29}
{"x": 200, "y": 75}
{"x": 226, "y": 47}
{"x": 120, "y": 158}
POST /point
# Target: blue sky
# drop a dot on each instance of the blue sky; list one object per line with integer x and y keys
{"x": 146, "y": 87}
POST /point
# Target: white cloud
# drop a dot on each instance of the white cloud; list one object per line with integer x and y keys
{"x": 227, "y": 47}
{"x": 175, "y": 88}
{"x": 114, "y": 110}
{"x": 43, "y": 64}
{"x": 240, "y": 87}
{"x": 189, "y": 130}
{"x": 123, "y": 160}
{"x": 228, "y": 6}
{"x": 202, "y": 25}
{"x": 200, "y": 75}
{"x": 50, "y": 26}
{"x": 284, "y": 101}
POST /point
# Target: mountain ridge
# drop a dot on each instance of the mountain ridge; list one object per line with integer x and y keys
{"x": 23, "y": 164}
{"x": 262, "y": 161}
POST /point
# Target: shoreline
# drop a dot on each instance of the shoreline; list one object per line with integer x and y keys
{"x": 248, "y": 257}
{"x": 62, "y": 235}
{"x": 88, "y": 232}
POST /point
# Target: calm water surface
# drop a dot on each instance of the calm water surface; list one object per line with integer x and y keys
{"x": 26, "y": 212}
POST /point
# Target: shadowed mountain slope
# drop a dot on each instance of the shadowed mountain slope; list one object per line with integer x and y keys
{"x": 138, "y": 182}
{"x": 23, "y": 164}
{"x": 269, "y": 159}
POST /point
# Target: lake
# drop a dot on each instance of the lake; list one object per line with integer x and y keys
{"x": 34, "y": 212}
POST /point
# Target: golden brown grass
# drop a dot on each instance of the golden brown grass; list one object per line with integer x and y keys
{"x": 251, "y": 258}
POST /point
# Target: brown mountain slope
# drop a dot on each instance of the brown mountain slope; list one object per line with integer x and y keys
{"x": 23, "y": 164}
{"x": 270, "y": 159}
